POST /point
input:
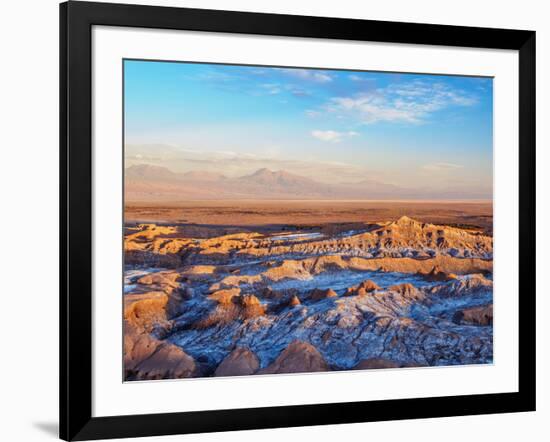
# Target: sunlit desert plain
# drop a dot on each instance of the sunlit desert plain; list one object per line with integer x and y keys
{"x": 226, "y": 288}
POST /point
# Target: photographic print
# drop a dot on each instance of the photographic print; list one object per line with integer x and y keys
{"x": 297, "y": 220}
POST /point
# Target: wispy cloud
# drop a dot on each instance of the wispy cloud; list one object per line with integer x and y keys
{"x": 441, "y": 167}
{"x": 332, "y": 136}
{"x": 412, "y": 102}
{"x": 279, "y": 88}
{"x": 271, "y": 88}
{"x": 312, "y": 113}
{"x": 308, "y": 74}
{"x": 221, "y": 80}
{"x": 360, "y": 78}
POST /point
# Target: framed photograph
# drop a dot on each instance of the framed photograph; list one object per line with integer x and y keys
{"x": 273, "y": 220}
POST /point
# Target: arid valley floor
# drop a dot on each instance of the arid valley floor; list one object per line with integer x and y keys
{"x": 239, "y": 288}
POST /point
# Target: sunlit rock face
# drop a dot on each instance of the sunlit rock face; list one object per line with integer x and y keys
{"x": 389, "y": 295}
{"x": 399, "y": 239}
{"x": 241, "y": 361}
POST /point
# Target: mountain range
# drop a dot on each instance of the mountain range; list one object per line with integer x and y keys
{"x": 150, "y": 183}
{"x": 144, "y": 182}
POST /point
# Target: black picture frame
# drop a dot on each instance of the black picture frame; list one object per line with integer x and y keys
{"x": 76, "y": 21}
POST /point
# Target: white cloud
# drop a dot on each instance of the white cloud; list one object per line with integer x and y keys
{"x": 439, "y": 167}
{"x": 312, "y": 113}
{"x": 322, "y": 78}
{"x": 278, "y": 88}
{"x": 271, "y": 88}
{"x": 308, "y": 74}
{"x": 360, "y": 79}
{"x": 332, "y": 136}
{"x": 327, "y": 135}
{"x": 412, "y": 102}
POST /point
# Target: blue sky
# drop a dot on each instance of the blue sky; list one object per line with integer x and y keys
{"x": 411, "y": 130}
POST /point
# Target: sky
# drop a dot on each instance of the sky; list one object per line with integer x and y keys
{"x": 337, "y": 126}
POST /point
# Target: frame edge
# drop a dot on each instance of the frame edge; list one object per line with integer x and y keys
{"x": 76, "y": 422}
{"x": 527, "y": 221}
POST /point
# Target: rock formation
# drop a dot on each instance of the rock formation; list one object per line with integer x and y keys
{"x": 482, "y": 315}
{"x": 396, "y": 294}
{"x": 239, "y": 362}
{"x": 404, "y": 238}
{"x": 318, "y": 294}
{"x": 298, "y": 357}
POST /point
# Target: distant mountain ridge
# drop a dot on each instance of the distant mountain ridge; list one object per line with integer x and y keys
{"x": 266, "y": 176}
{"x": 204, "y": 175}
{"x": 150, "y": 183}
{"x": 150, "y": 172}
{"x": 147, "y": 182}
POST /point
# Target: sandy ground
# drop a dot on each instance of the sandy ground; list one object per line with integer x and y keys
{"x": 230, "y": 214}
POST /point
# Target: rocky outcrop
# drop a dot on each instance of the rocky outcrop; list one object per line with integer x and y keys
{"x": 251, "y": 306}
{"x": 362, "y": 289}
{"x": 151, "y": 359}
{"x": 239, "y": 362}
{"x": 150, "y": 231}
{"x": 309, "y": 267}
{"x": 398, "y": 323}
{"x": 407, "y": 291}
{"x": 294, "y": 301}
{"x": 399, "y": 239}
{"x": 482, "y": 315}
{"x": 437, "y": 275}
{"x": 148, "y": 316}
{"x": 166, "y": 281}
{"x": 298, "y": 357}
{"x": 225, "y": 296}
{"x": 362, "y": 300}
{"x": 402, "y": 238}
{"x": 146, "y": 356}
{"x": 319, "y": 294}
{"x": 239, "y": 308}
{"x": 368, "y": 286}
{"x": 473, "y": 284}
